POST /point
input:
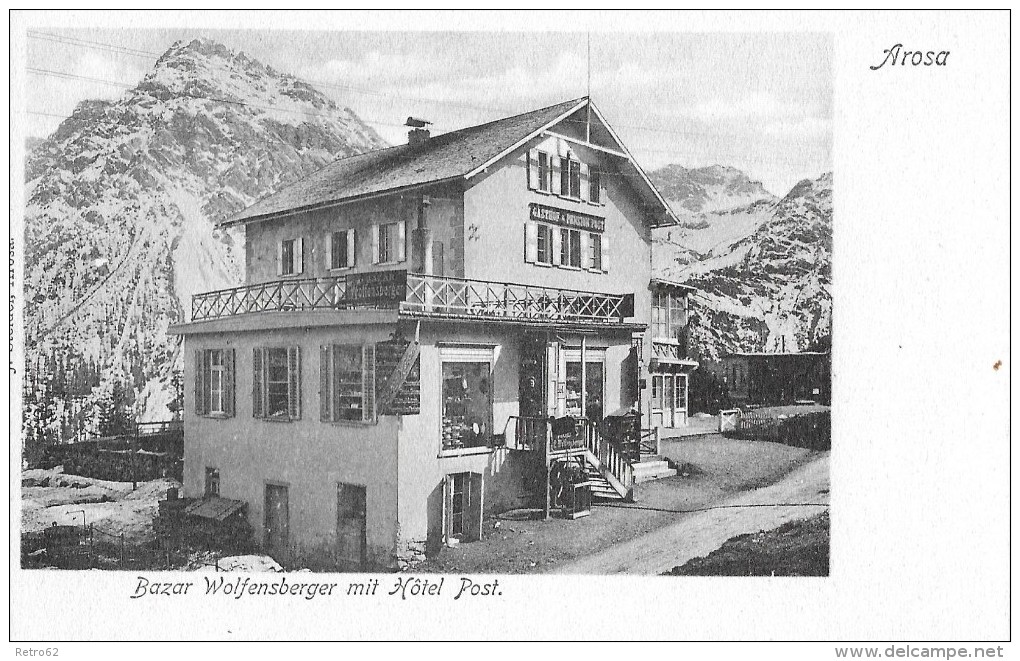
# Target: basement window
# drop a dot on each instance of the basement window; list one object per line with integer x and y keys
{"x": 212, "y": 481}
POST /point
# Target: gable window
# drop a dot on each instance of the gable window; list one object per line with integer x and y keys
{"x": 276, "y": 391}
{"x": 342, "y": 249}
{"x": 290, "y": 257}
{"x": 212, "y": 481}
{"x": 570, "y": 177}
{"x": 544, "y": 172}
{"x": 595, "y": 186}
{"x": 214, "y": 382}
{"x": 388, "y": 242}
{"x": 347, "y": 382}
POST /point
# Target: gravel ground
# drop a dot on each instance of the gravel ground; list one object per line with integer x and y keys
{"x": 721, "y": 468}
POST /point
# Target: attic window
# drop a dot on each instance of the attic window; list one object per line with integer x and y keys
{"x": 570, "y": 177}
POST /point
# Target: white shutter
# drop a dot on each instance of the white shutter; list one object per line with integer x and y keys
{"x": 325, "y": 381}
{"x": 605, "y": 252}
{"x": 586, "y": 261}
{"x": 294, "y": 382}
{"x": 279, "y": 258}
{"x": 532, "y": 157}
{"x": 584, "y": 182}
{"x": 554, "y": 167}
{"x": 299, "y": 255}
{"x": 375, "y": 243}
{"x": 350, "y": 248}
{"x": 331, "y": 251}
{"x": 401, "y": 240}
{"x": 556, "y": 244}
{"x": 531, "y": 242}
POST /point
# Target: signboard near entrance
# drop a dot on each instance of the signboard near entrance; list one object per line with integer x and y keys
{"x": 398, "y": 374}
{"x": 379, "y": 289}
{"x": 564, "y": 218}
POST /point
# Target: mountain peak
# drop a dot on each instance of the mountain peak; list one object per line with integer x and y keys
{"x": 709, "y": 188}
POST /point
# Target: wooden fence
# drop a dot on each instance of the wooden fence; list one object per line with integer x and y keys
{"x": 806, "y": 430}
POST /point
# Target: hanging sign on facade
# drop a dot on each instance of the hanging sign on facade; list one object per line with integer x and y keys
{"x": 398, "y": 368}
{"x": 571, "y": 219}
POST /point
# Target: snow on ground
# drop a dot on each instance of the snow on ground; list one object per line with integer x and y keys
{"x": 248, "y": 563}
{"x": 114, "y": 507}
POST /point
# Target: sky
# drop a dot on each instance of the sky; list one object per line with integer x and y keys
{"x": 760, "y": 102}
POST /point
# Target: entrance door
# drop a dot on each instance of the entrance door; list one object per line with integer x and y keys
{"x": 462, "y": 511}
{"x": 668, "y": 397}
{"x": 351, "y": 527}
{"x": 277, "y": 539}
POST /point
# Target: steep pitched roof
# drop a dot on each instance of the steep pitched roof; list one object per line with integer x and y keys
{"x": 446, "y": 156}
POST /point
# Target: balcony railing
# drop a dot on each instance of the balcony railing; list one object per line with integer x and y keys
{"x": 500, "y": 300}
{"x": 423, "y": 295}
{"x": 671, "y": 350}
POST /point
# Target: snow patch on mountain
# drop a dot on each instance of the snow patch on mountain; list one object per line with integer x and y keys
{"x": 120, "y": 220}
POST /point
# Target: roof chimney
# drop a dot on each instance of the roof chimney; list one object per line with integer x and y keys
{"x": 418, "y": 135}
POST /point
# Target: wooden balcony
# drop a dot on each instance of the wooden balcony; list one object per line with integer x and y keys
{"x": 419, "y": 296}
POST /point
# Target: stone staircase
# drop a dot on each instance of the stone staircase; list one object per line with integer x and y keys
{"x": 652, "y": 468}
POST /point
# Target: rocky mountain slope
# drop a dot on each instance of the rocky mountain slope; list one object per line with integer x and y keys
{"x": 763, "y": 269}
{"x": 122, "y": 199}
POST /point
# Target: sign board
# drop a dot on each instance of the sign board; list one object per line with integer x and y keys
{"x": 571, "y": 219}
{"x": 381, "y": 289}
{"x": 398, "y": 377}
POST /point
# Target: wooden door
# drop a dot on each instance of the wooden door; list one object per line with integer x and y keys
{"x": 351, "y": 527}
{"x": 277, "y": 524}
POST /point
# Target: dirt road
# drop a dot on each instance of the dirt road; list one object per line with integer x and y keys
{"x": 699, "y": 533}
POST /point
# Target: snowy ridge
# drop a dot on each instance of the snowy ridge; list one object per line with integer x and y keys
{"x": 122, "y": 201}
{"x": 768, "y": 290}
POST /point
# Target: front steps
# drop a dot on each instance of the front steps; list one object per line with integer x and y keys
{"x": 652, "y": 468}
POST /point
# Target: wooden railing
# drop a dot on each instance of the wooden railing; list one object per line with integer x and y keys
{"x": 673, "y": 350}
{"x": 275, "y": 296}
{"x": 611, "y": 459}
{"x": 443, "y": 296}
{"x": 424, "y": 295}
{"x": 526, "y": 433}
{"x": 651, "y": 442}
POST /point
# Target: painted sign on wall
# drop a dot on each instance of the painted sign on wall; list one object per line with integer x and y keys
{"x": 572, "y": 219}
{"x": 398, "y": 370}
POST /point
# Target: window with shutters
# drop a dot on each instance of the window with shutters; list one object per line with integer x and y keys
{"x": 549, "y": 245}
{"x": 291, "y": 259}
{"x": 347, "y": 383}
{"x": 570, "y": 248}
{"x": 388, "y": 243}
{"x": 544, "y": 245}
{"x": 276, "y": 391}
{"x": 594, "y": 252}
{"x": 570, "y": 178}
{"x": 342, "y": 250}
{"x": 214, "y": 382}
{"x": 544, "y": 172}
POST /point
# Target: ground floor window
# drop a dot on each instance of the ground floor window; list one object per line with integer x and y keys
{"x": 277, "y": 383}
{"x": 347, "y": 387}
{"x": 467, "y": 399}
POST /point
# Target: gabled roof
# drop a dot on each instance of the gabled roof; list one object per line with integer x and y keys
{"x": 449, "y": 156}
